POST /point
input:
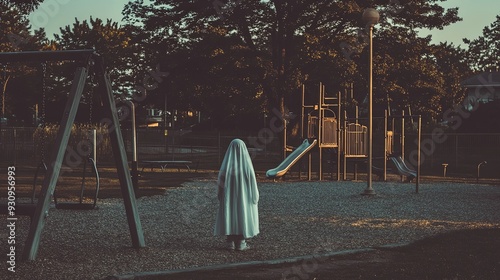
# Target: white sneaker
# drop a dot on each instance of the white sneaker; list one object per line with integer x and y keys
{"x": 242, "y": 246}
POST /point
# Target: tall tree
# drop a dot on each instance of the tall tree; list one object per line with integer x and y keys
{"x": 24, "y": 6}
{"x": 110, "y": 40}
{"x": 452, "y": 65}
{"x": 410, "y": 72}
{"x": 18, "y": 88}
{"x": 288, "y": 41}
{"x": 485, "y": 50}
{"x": 406, "y": 75}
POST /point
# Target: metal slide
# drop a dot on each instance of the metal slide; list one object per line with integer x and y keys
{"x": 291, "y": 159}
{"x": 403, "y": 169}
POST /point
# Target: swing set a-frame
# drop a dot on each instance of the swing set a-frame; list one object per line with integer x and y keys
{"x": 84, "y": 58}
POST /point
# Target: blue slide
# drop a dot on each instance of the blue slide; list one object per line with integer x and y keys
{"x": 403, "y": 169}
{"x": 291, "y": 159}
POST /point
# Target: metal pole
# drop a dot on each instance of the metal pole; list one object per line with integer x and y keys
{"x": 93, "y": 136}
{"x": 344, "y": 148}
{"x": 120, "y": 156}
{"x": 302, "y": 124}
{"x": 302, "y": 112}
{"x": 356, "y": 112}
{"x": 418, "y": 151}
{"x": 403, "y": 134}
{"x": 340, "y": 132}
{"x": 320, "y": 135}
{"x": 165, "y": 131}
{"x": 393, "y": 126}
{"x": 402, "y": 138}
{"x": 385, "y": 146}
{"x": 57, "y": 157}
{"x": 135, "y": 173}
{"x": 309, "y": 168}
{"x": 284, "y": 137}
{"x": 369, "y": 188}
{"x": 6, "y": 80}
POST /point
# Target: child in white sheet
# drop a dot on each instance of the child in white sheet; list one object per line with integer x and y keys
{"x": 238, "y": 215}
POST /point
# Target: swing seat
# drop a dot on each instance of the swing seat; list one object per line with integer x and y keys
{"x": 80, "y": 205}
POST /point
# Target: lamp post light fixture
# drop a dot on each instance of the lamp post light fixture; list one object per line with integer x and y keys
{"x": 370, "y": 17}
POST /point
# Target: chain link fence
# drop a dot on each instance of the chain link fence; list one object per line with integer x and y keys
{"x": 28, "y": 146}
{"x": 25, "y": 146}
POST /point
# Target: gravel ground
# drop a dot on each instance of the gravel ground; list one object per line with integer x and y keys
{"x": 296, "y": 218}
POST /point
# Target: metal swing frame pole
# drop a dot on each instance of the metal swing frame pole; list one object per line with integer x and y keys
{"x": 60, "y": 144}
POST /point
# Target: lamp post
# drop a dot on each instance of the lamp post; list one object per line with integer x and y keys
{"x": 370, "y": 17}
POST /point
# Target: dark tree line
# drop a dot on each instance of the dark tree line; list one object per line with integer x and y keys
{"x": 236, "y": 60}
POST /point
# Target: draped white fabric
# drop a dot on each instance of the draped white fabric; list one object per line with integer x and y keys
{"x": 238, "y": 194}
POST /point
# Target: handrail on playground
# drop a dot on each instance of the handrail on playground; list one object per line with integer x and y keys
{"x": 324, "y": 109}
{"x": 404, "y": 116}
{"x": 364, "y": 118}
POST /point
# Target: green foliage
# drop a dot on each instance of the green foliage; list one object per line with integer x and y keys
{"x": 233, "y": 58}
{"x": 109, "y": 39}
{"x": 25, "y": 6}
{"x": 17, "y": 88}
{"x": 79, "y": 142}
{"x": 454, "y": 69}
{"x": 485, "y": 50}
{"x": 228, "y": 54}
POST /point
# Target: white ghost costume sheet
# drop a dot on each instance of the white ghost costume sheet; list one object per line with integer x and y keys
{"x": 238, "y": 194}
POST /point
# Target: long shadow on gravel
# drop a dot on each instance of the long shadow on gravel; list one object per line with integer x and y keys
{"x": 465, "y": 254}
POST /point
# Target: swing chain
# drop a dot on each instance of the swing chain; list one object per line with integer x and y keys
{"x": 91, "y": 104}
{"x": 91, "y": 97}
{"x": 4, "y": 87}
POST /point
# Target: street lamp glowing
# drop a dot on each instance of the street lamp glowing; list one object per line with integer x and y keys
{"x": 371, "y": 17}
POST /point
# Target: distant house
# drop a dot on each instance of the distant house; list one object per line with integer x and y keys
{"x": 482, "y": 88}
{"x": 154, "y": 117}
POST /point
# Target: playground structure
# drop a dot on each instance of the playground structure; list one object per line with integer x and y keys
{"x": 323, "y": 128}
{"x": 38, "y": 214}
